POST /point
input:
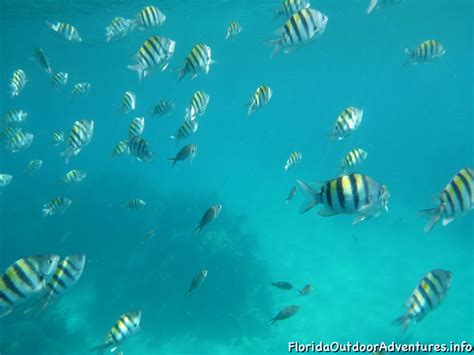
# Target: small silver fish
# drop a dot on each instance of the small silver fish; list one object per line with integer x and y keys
{"x": 187, "y": 152}
{"x": 285, "y": 313}
{"x": 210, "y": 214}
{"x": 197, "y": 281}
{"x": 306, "y": 290}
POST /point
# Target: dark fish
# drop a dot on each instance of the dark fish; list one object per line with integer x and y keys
{"x": 282, "y": 285}
{"x": 187, "y": 152}
{"x": 43, "y": 60}
{"x": 197, "y": 281}
{"x": 307, "y": 289}
{"x": 211, "y": 213}
{"x": 285, "y": 313}
{"x": 291, "y": 194}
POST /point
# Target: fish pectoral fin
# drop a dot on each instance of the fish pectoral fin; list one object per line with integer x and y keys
{"x": 447, "y": 221}
{"x": 325, "y": 211}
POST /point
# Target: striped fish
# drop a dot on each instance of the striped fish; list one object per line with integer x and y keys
{"x": 34, "y": 166}
{"x": 163, "y": 108}
{"x": 59, "y": 79}
{"x": 354, "y": 158}
{"x": 455, "y": 201}
{"x": 233, "y": 29}
{"x": 136, "y": 127}
{"x": 347, "y": 122}
{"x": 18, "y": 82}
{"x": 426, "y": 52}
{"x": 302, "y": 28}
{"x": 80, "y": 136}
{"x": 14, "y": 116}
{"x": 5, "y": 180}
{"x": 294, "y": 159}
{"x": 198, "y": 105}
{"x": 43, "y": 60}
{"x": 352, "y": 194}
{"x": 66, "y": 30}
{"x": 67, "y": 273}
{"x": 198, "y": 60}
{"x": 9, "y": 132}
{"x": 118, "y": 28}
{"x": 427, "y": 296}
{"x": 73, "y": 176}
{"x": 289, "y": 7}
{"x": 57, "y": 137}
{"x": 121, "y": 148}
{"x": 197, "y": 281}
{"x": 140, "y": 149}
{"x": 23, "y": 279}
{"x": 135, "y": 204}
{"x": 381, "y": 4}
{"x": 127, "y": 325}
{"x": 150, "y": 16}
{"x": 129, "y": 102}
{"x": 185, "y": 130}
{"x": 57, "y": 205}
{"x": 260, "y": 98}
{"x": 81, "y": 89}
{"x": 156, "y": 52}
{"x": 20, "y": 141}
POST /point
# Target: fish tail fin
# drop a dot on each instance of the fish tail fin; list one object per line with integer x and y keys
{"x": 198, "y": 230}
{"x": 277, "y": 47}
{"x": 46, "y": 211}
{"x": 132, "y": 23}
{"x": 174, "y": 161}
{"x": 52, "y": 25}
{"x": 138, "y": 68}
{"x": 272, "y": 321}
{"x": 314, "y": 196}
{"x": 371, "y": 7}
{"x": 403, "y": 322}
{"x": 410, "y": 53}
{"x": 434, "y": 214}
{"x": 100, "y": 348}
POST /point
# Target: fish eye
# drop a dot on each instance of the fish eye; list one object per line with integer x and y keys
{"x": 50, "y": 261}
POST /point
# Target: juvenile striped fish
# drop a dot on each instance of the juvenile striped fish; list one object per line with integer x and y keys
{"x": 18, "y": 82}
{"x": 163, "y": 108}
{"x": 354, "y": 158}
{"x": 198, "y": 60}
{"x": 34, "y": 166}
{"x": 187, "y": 152}
{"x": 20, "y": 141}
{"x": 155, "y": 53}
{"x": 135, "y": 204}
{"x": 14, "y": 116}
{"x": 57, "y": 205}
{"x": 5, "y": 180}
{"x": 136, "y": 127}
{"x": 23, "y": 279}
{"x": 352, "y": 194}
{"x": 427, "y": 296}
{"x": 302, "y": 28}
{"x": 260, "y": 98}
{"x": 289, "y": 7}
{"x": 59, "y": 79}
{"x": 426, "y": 52}
{"x": 129, "y": 102}
{"x": 43, "y": 60}
{"x": 347, "y": 122}
{"x": 66, "y": 30}
{"x": 118, "y": 28}
{"x": 210, "y": 215}
{"x": 121, "y": 148}
{"x": 81, "y": 89}
{"x": 197, "y": 106}
{"x": 80, "y": 136}
{"x": 127, "y": 325}
{"x": 294, "y": 159}
{"x": 140, "y": 149}
{"x": 455, "y": 201}
{"x": 185, "y": 130}
{"x": 149, "y": 17}
{"x": 57, "y": 137}
{"x": 285, "y": 313}
{"x": 197, "y": 281}
{"x": 73, "y": 176}
{"x": 233, "y": 29}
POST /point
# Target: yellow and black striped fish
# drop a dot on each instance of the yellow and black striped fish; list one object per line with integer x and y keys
{"x": 34, "y": 166}
{"x": 140, "y": 149}
{"x": 260, "y": 98}
{"x": 455, "y": 201}
{"x": 14, "y": 116}
{"x": 156, "y": 52}
{"x": 118, "y": 28}
{"x": 19, "y": 141}
{"x": 66, "y": 30}
{"x": 73, "y": 176}
{"x": 185, "y": 130}
{"x": 198, "y": 105}
{"x": 353, "y": 194}
{"x": 355, "y": 157}
{"x": 150, "y": 16}
{"x": 233, "y": 29}
{"x": 80, "y": 136}
{"x": 426, "y": 52}
{"x": 121, "y": 148}
{"x": 57, "y": 137}
{"x": 59, "y": 79}
{"x": 136, "y": 127}
{"x": 302, "y": 28}
{"x": 294, "y": 158}
{"x": 347, "y": 122}
{"x": 289, "y": 7}
{"x": 9, "y": 132}
{"x": 23, "y": 279}
{"x": 163, "y": 108}
{"x": 127, "y": 325}
{"x": 428, "y": 295}
{"x": 199, "y": 59}
{"x": 18, "y": 82}
{"x": 129, "y": 102}
{"x": 57, "y": 205}
{"x": 81, "y": 89}
{"x": 135, "y": 204}
{"x": 5, "y": 180}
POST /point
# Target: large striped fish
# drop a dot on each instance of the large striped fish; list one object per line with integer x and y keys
{"x": 347, "y": 122}
{"x": 353, "y": 194}
{"x": 455, "y": 201}
{"x": 428, "y": 295}
{"x": 198, "y": 60}
{"x": 23, "y": 279}
{"x": 80, "y": 136}
{"x": 127, "y": 325}
{"x": 66, "y": 30}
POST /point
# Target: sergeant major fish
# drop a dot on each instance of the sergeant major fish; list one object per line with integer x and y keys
{"x": 57, "y": 137}
{"x": 81, "y": 89}
{"x": 129, "y": 102}
{"x": 57, "y": 205}
{"x": 149, "y": 17}
{"x": 135, "y": 204}
{"x": 66, "y": 30}
{"x": 293, "y": 159}
{"x": 18, "y": 82}
{"x": 210, "y": 214}
{"x": 426, "y": 52}
{"x": 198, "y": 60}
{"x": 5, "y": 180}
{"x": 73, "y": 176}
{"x": 19, "y": 141}
{"x": 163, "y": 108}
{"x": 233, "y": 29}
{"x": 136, "y": 127}
{"x": 139, "y": 148}
{"x": 187, "y": 152}
{"x": 118, "y": 28}
{"x": 34, "y": 166}
{"x": 260, "y": 98}
{"x": 197, "y": 281}
{"x": 197, "y": 106}
{"x": 80, "y": 136}
{"x": 347, "y": 122}
{"x": 289, "y": 7}
{"x": 185, "y": 130}
{"x": 59, "y": 79}
{"x": 14, "y": 116}
{"x": 285, "y": 313}
{"x": 354, "y": 158}
{"x": 121, "y": 148}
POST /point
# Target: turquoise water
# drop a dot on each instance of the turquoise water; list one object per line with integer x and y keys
{"x": 417, "y": 129}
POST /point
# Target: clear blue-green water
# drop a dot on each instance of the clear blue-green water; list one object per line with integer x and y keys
{"x": 417, "y": 129}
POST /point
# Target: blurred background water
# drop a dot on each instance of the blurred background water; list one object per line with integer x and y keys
{"x": 417, "y": 129}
